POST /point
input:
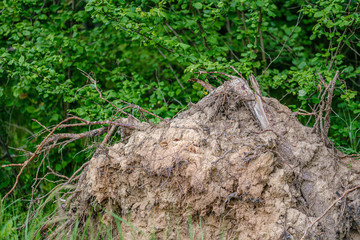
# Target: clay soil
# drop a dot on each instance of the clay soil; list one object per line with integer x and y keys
{"x": 213, "y": 173}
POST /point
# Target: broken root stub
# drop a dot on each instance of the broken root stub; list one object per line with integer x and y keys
{"x": 217, "y": 163}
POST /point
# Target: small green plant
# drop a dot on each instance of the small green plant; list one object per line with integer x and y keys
{"x": 191, "y": 227}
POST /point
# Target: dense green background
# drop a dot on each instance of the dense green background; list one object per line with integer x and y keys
{"x": 144, "y": 52}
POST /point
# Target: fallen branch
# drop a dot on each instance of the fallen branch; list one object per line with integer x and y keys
{"x": 76, "y": 136}
{"x": 327, "y": 210}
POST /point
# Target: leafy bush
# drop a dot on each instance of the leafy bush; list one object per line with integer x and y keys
{"x": 144, "y": 52}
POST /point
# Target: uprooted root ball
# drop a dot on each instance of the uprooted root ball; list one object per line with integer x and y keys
{"x": 214, "y": 164}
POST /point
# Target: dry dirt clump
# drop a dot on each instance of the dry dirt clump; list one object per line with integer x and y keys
{"x": 215, "y": 163}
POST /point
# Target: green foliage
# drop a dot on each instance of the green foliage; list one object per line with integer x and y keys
{"x": 144, "y": 52}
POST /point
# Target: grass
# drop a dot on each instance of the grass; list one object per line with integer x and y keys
{"x": 14, "y": 224}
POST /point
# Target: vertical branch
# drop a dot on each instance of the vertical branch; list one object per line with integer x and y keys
{"x": 318, "y": 126}
{"x": 247, "y": 36}
{"x": 228, "y": 28}
{"x": 325, "y": 106}
{"x": 200, "y": 27}
{"x": 261, "y": 37}
{"x": 328, "y": 104}
{"x": 239, "y": 16}
{"x": 243, "y": 20}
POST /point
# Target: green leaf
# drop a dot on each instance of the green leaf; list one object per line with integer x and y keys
{"x": 198, "y": 5}
{"x": 21, "y": 59}
{"x": 30, "y": 109}
{"x": 302, "y": 92}
{"x": 184, "y": 46}
{"x": 319, "y": 14}
{"x": 26, "y": 33}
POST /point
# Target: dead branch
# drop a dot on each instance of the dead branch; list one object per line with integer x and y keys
{"x": 88, "y": 123}
{"x": 57, "y": 174}
{"x": 327, "y": 210}
{"x": 328, "y": 104}
{"x": 76, "y": 136}
{"x": 258, "y": 107}
{"x": 41, "y": 125}
{"x": 322, "y": 123}
{"x": 221, "y": 73}
{"x": 205, "y": 85}
{"x": 238, "y": 73}
{"x": 108, "y": 135}
{"x": 37, "y": 151}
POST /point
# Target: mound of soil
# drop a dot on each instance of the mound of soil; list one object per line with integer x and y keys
{"x": 214, "y": 163}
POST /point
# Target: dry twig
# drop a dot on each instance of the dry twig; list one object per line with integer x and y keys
{"x": 327, "y": 210}
{"x": 36, "y": 153}
{"x": 322, "y": 124}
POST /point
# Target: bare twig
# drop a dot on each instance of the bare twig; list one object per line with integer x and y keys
{"x": 76, "y": 136}
{"x": 41, "y": 125}
{"x": 328, "y": 104}
{"x": 327, "y": 210}
{"x": 88, "y": 123}
{"x": 176, "y": 77}
{"x": 205, "y": 85}
{"x": 238, "y": 73}
{"x": 323, "y": 123}
{"x": 108, "y": 135}
{"x": 20, "y": 127}
{"x": 34, "y": 155}
{"x": 57, "y": 174}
